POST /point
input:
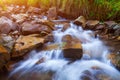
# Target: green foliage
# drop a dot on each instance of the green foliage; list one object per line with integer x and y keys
{"x": 91, "y": 9}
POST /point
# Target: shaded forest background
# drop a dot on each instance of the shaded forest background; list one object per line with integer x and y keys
{"x": 91, "y": 9}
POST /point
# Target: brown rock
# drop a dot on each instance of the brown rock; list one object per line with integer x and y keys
{"x": 26, "y": 43}
{"x": 6, "y": 25}
{"x": 51, "y": 47}
{"x": 117, "y": 32}
{"x": 29, "y": 28}
{"x": 110, "y": 23}
{"x": 65, "y": 26}
{"x": 118, "y": 38}
{"x": 100, "y": 27}
{"x": 72, "y": 48}
{"x": 95, "y": 73}
{"x": 80, "y": 21}
{"x": 34, "y": 10}
{"x": 7, "y": 41}
{"x": 69, "y": 42}
{"x": 47, "y": 22}
{"x": 52, "y": 13}
{"x": 49, "y": 38}
{"x": 115, "y": 59}
{"x": 74, "y": 52}
{"x": 91, "y": 24}
{"x": 19, "y": 18}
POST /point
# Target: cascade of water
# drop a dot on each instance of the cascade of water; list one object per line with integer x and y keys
{"x": 93, "y": 49}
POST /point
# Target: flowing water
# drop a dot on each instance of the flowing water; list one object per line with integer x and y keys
{"x": 93, "y": 65}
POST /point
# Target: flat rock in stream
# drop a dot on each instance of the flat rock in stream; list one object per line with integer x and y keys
{"x": 26, "y": 43}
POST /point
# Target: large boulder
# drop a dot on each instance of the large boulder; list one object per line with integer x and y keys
{"x": 6, "y": 25}
{"x": 70, "y": 46}
{"x": 26, "y": 43}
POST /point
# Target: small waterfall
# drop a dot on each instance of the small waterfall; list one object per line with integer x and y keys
{"x": 93, "y": 63}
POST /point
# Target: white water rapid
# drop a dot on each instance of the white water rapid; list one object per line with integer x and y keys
{"x": 93, "y": 65}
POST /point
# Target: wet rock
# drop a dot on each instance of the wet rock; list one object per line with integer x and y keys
{"x": 26, "y": 43}
{"x": 72, "y": 53}
{"x": 72, "y": 48}
{"x": 80, "y": 21}
{"x": 6, "y": 25}
{"x": 91, "y": 24}
{"x": 69, "y": 42}
{"x": 4, "y": 56}
{"x": 29, "y": 28}
{"x": 65, "y": 26}
{"x": 95, "y": 73}
{"x": 52, "y": 13}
